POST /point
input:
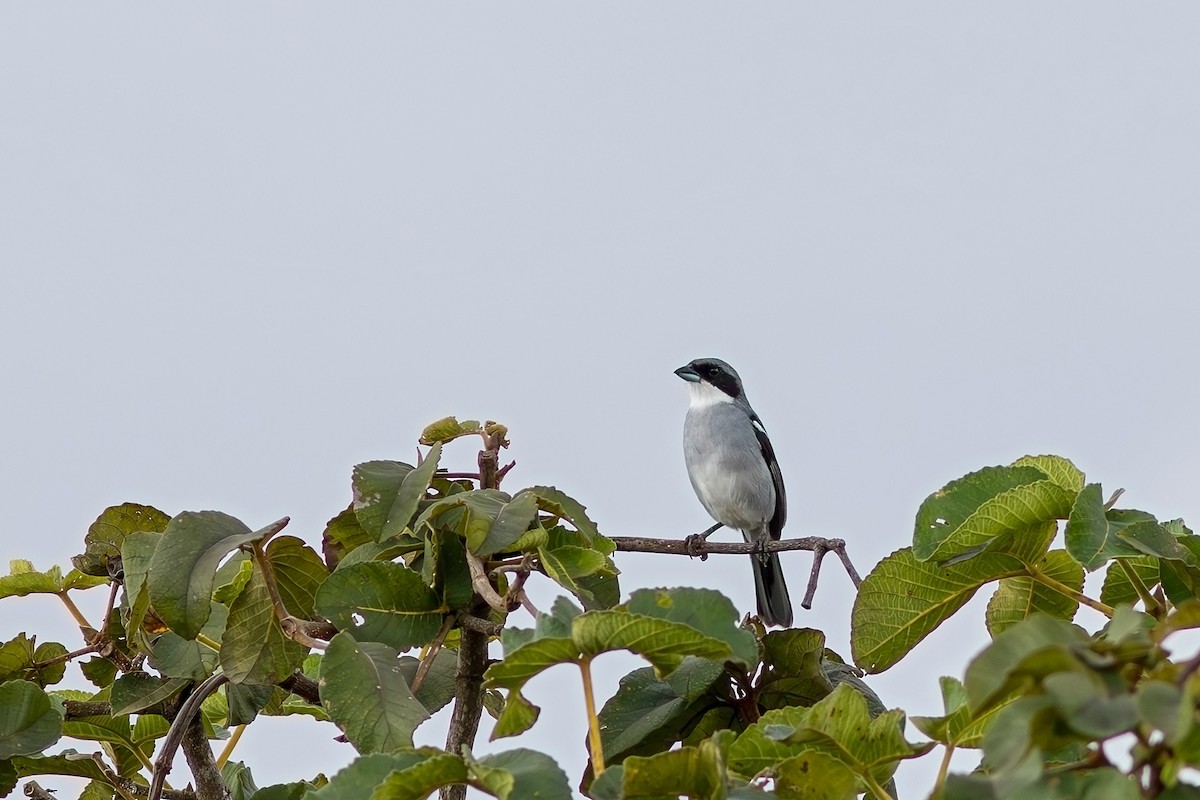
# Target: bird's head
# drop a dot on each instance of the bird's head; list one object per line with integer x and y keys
{"x": 712, "y": 380}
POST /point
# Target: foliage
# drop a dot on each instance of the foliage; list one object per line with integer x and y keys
{"x": 369, "y": 634}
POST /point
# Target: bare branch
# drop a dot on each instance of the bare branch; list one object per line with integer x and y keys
{"x": 303, "y": 687}
{"x": 473, "y": 623}
{"x": 179, "y": 727}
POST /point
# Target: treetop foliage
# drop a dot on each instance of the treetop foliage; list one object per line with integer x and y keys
{"x": 209, "y": 624}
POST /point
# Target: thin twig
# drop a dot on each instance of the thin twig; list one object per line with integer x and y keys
{"x": 179, "y": 728}
{"x": 483, "y": 586}
{"x": 473, "y": 623}
{"x": 431, "y": 653}
{"x": 818, "y": 556}
{"x": 314, "y": 635}
{"x": 83, "y": 651}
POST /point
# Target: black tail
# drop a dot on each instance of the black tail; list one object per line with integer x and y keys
{"x": 774, "y": 605}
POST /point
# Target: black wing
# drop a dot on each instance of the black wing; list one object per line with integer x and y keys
{"x": 768, "y": 452}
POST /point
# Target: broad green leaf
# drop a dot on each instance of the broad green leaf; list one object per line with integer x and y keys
{"x": 528, "y": 660}
{"x": 445, "y": 568}
{"x": 239, "y": 780}
{"x": 29, "y": 720}
{"x": 1037, "y": 646}
{"x": 343, "y": 534}
{"x": 568, "y": 567}
{"x": 1118, "y": 589}
{"x": 469, "y": 514}
{"x": 692, "y": 771}
{"x": 100, "y": 672}
{"x": 706, "y": 610}
{"x": 408, "y": 497}
{"x": 422, "y": 777}
{"x": 135, "y": 691}
{"x": 1092, "y": 533}
{"x": 8, "y": 778}
{"x": 24, "y": 579}
{"x": 299, "y": 571}
{"x": 176, "y": 657}
{"x": 381, "y": 601}
{"x": 518, "y": 716}
{"x": 447, "y": 430}
{"x": 254, "y": 649}
{"x": 661, "y": 642}
{"x": 513, "y": 520}
{"x": 180, "y": 576}
{"x": 375, "y": 485}
{"x": 1165, "y": 706}
{"x": 560, "y": 504}
{"x": 969, "y": 513}
{"x": 284, "y": 791}
{"x": 106, "y": 535}
{"x": 22, "y": 659}
{"x": 903, "y": 600}
{"x": 116, "y": 731}
{"x": 793, "y": 673}
{"x": 68, "y": 762}
{"x": 360, "y": 777}
{"x": 136, "y": 551}
{"x": 1019, "y": 597}
{"x": 1057, "y": 469}
{"x": 815, "y": 775}
{"x": 246, "y": 700}
{"x": 957, "y": 726}
{"x": 519, "y": 774}
{"x": 648, "y": 715}
{"x": 838, "y": 725}
{"x": 365, "y": 693}
{"x": 437, "y": 690}
{"x": 1087, "y": 708}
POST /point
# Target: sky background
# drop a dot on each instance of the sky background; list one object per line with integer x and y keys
{"x": 244, "y": 247}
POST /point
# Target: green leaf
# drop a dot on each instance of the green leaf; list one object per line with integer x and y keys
{"x": 511, "y": 522}
{"x": 176, "y": 657}
{"x": 1092, "y": 534}
{"x": 359, "y": 779}
{"x": 562, "y": 505}
{"x": 254, "y": 649}
{"x": 245, "y": 701}
{"x": 568, "y": 567}
{"x": 299, "y": 572}
{"x": 412, "y": 491}
{"x": 365, "y": 693}
{"x": 1118, "y": 589}
{"x": 706, "y": 610}
{"x": 903, "y": 600}
{"x": 383, "y": 602}
{"x": 1019, "y": 597}
{"x": 447, "y": 430}
{"x": 958, "y": 726}
{"x": 284, "y": 791}
{"x": 68, "y": 762}
{"x": 692, "y": 771}
{"x": 23, "y": 579}
{"x": 237, "y": 777}
{"x": 100, "y": 672}
{"x": 517, "y": 717}
{"x": 445, "y": 568}
{"x": 1087, "y": 708}
{"x": 180, "y": 576}
{"x": 136, "y": 551}
{"x": 661, "y": 642}
{"x": 519, "y": 774}
{"x": 469, "y": 514}
{"x": 838, "y": 725}
{"x": 648, "y": 715}
{"x": 29, "y": 720}
{"x": 375, "y": 485}
{"x": 343, "y": 534}
{"x": 136, "y": 691}
{"x": 106, "y": 535}
{"x": 528, "y": 660}
{"x": 1057, "y": 469}
{"x": 973, "y": 511}
{"x": 21, "y": 659}
{"x": 814, "y": 775}
{"x": 425, "y": 772}
{"x": 793, "y": 668}
{"x": 1037, "y": 646}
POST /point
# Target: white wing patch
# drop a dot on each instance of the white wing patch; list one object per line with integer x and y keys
{"x": 758, "y": 426}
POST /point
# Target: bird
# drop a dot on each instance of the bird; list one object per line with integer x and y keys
{"x": 733, "y": 469}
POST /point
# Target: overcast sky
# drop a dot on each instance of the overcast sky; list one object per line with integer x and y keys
{"x": 246, "y": 246}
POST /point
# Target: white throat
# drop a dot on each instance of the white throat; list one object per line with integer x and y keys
{"x": 705, "y": 395}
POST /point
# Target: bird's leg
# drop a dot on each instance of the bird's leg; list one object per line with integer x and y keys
{"x": 696, "y": 541}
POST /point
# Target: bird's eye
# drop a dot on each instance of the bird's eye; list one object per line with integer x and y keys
{"x": 714, "y": 371}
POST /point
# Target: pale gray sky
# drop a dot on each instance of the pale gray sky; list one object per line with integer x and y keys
{"x": 244, "y": 247}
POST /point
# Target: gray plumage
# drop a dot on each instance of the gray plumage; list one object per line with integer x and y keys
{"x": 733, "y": 470}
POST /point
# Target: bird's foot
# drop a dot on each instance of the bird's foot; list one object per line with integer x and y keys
{"x": 694, "y": 544}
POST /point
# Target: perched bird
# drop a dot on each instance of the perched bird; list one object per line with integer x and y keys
{"x": 733, "y": 469}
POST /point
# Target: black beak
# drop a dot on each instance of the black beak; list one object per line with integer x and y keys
{"x": 688, "y": 374}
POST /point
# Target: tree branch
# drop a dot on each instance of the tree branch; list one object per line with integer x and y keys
{"x": 209, "y": 783}
{"x": 703, "y": 548}
{"x": 177, "y": 734}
